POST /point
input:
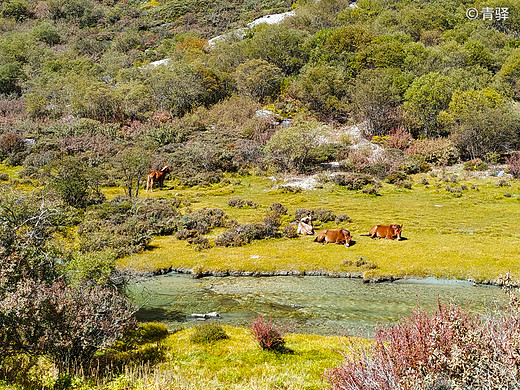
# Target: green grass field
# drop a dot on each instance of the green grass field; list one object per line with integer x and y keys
{"x": 473, "y": 236}
{"x": 238, "y": 363}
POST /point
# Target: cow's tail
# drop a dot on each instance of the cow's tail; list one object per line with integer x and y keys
{"x": 368, "y": 235}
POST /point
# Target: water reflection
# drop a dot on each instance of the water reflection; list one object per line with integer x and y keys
{"x": 307, "y": 304}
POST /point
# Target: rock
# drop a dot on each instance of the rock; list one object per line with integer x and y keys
{"x": 213, "y": 314}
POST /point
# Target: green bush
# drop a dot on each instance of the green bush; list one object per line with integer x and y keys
{"x": 207, "y": 333}
{"x": 475, "y": 165}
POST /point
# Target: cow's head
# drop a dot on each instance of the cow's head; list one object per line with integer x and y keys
{"x": 397, "y": 231}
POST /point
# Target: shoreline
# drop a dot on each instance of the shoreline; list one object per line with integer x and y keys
{"x": 325, "y": 273}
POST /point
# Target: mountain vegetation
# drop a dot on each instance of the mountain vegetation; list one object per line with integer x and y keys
{"x": 95, "y": 94}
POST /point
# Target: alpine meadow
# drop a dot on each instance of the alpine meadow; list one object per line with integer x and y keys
{"x": 163, "y": 161}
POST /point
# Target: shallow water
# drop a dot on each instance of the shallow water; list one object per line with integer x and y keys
{"x": 307, "y": 304}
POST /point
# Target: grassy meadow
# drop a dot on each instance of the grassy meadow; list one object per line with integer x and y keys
{"x": 469, "y": 234}
{"x": 238, "y": 363}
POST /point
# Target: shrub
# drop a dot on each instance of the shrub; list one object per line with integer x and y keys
{"x": 399, "y": 138}
{"x": 278, "y": 208}
{"x": 513, "y": 163}
{"x": 12, "y": 147}
{"x": 343, "y": 218}
{"x": 322, "y": 215}
{"x": 269, "y": 336}
{"x": 239, "y": 203}
{"x": 352, "y": 181}
{"x": 475, "y": 165}
{"x": 200, "y": 243}
{"x": 436, "y": 151}
{"x": 126, "y": 225}
{"x": 425, "y": 350}
{"x": 231, "y": 237}
{"x": 202, "y": 221}
{"x": 290, "y": 231}
{"x": 207, "y": 333}
{"x": 203, "y": 179}
{"x": 395, "y": 177}
{"x": 185, "y": 234}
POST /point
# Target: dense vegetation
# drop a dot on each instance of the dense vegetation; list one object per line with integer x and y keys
{"x": 86, "y": 113}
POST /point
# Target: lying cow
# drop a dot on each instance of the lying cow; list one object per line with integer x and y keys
{"x": 386, "y": 231}
{"x": 305, "y": 226}
{"x": 337, "y": 236}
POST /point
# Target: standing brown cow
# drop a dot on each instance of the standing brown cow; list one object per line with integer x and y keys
{"x": 386, "y": 231}
{"x": 337, "y": 236}
{"x": 156, "y": 177}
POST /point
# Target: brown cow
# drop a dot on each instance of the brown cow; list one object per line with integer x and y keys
{"x": 337, "y": 236}
{"x": 386, "y": 231}
{"x": 157, "y": 177}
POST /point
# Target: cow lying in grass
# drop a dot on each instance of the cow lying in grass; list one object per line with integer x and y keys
{"x": 337, "y": 236}
{"x": 386, "y": 231}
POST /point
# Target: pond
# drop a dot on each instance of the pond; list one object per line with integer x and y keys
{"x": 308, "y": 304}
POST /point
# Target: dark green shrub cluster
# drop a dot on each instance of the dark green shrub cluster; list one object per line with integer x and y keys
{"x": 208, "y": 332}
{"x": 342, "y": 218}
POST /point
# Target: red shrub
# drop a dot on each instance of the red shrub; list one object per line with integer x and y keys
{"x": 269, "y": 336}
{"x": 447, "y": 349}
{"x": 399, "y": 138}
{"x": 513, "y": 163}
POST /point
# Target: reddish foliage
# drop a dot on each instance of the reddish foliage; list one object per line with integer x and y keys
{"x": 69, "y": 323}
{"x": 269, "y": 336}
{"x": 513, "y": 163}
{"x": 446, "y": 349}
{"x": 399, "y": 138}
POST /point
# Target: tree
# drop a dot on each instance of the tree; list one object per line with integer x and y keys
{"x": 323, "y": 87}
{"x": 258, "y": 79}
{"x": 76, "y": 184}
{"x": 11, "y": 76}
{"x": 279, "y": 45}
{"x": 132, "y": 164}
{"x": 426, "y": 97}
{"x": 376, "y": 97}
{"x": 481, "y": 122}
{"x": 177, "y": 87}
{"x": 510, "y": 71}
